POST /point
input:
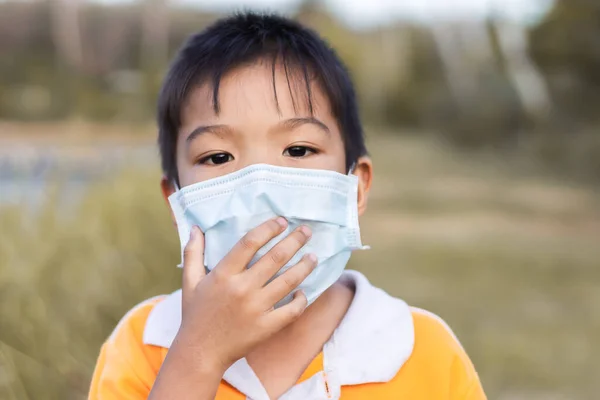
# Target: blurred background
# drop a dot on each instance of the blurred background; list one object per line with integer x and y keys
{"x": 483, "y": 122}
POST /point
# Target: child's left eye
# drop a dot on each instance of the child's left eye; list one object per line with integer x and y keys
{"x": 298, "y": 151}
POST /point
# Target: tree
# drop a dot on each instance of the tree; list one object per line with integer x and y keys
{"x": 66, "y": 31}
{"x": 566, "y": 46}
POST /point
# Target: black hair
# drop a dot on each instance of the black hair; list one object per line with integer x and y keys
{"x": 251, "y": 37}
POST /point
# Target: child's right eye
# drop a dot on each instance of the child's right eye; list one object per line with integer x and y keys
{"x": 216, "y": 159}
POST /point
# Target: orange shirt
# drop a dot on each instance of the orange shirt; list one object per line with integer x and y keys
{"x": 382, "y": 349}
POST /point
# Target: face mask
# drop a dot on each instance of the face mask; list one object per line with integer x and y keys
{"x": 226, "y": 208}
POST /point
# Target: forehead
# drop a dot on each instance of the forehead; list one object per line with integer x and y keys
{"x": 261, "y": 89}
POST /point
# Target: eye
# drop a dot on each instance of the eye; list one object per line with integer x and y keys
{"x": 299, "y": 151}
{"x": 216, "y": 159}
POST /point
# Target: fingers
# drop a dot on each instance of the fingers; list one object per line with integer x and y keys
{"x": 243, "y": 251}
{"x": 278, "y": 256}
{"x": 193, "y": 263}
{"x": 283, "y": 316}
{"x": 289, "y": 280}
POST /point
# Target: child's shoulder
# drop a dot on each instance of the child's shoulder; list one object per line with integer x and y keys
{"x": 131, "y": 329}
{"x": 438, "y": 353}
{"x": 125, "y": 361}
{"x": 431, "y": 328}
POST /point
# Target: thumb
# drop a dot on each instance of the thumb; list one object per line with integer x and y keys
{"x": 193, "y": 263}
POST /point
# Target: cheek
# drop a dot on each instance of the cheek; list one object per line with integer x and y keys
{"x": 187, "y": 174}
{"x": 183, "y": 167}
{"x": 332, "y": 159}
{"x": 339, "y": 153}
{"x": 187, "y": 170}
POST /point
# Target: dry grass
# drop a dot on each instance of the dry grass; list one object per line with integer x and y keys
{"x": 511, "y": 262}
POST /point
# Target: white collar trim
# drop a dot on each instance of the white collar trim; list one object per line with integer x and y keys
{"x": 371, "y": 344}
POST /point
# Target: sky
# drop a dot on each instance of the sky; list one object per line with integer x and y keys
{"x": 365, "y": 13}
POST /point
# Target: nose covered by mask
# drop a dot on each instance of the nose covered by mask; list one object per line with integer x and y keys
{"x": 227, "y": 207}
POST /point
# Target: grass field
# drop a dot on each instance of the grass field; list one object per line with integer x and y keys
{"x": 511, "y": 261}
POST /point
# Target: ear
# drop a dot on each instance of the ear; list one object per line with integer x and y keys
{"x": 364, "y": 171}
{"x": 167, "y": 189}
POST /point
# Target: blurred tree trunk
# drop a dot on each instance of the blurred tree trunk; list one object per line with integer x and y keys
{"x": 385, "y": 60}
{"x": 565, "y": 46}
{"x": 110, "y": 43}
{"x": 457, "y": 71}
{"x": 66, "y": 32}
{"x": 527, "y": 80}
{"x": 155, "y": 34}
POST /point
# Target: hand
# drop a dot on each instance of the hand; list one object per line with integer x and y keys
{"x": 230, "y": 310}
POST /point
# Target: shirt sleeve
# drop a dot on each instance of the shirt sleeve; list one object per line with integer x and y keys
{"x": 475, "y": 391}
{"x": 465, "y": 383}
{"x": 126, "y": 367}
{"x": 452, "y": 364}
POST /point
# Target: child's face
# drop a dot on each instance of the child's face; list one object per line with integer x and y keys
{"x": 249, "y": 129}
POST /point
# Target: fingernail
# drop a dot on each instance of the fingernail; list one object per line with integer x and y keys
{"x": 193, "y": 232}
{"x": 306, "y": 231}
{"x": 281, "y": 221}
{"x": 311, "y": 257}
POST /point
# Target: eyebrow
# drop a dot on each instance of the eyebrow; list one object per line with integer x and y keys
{"x": 214, "y": 129}
{"x": 294, "y": 123}
{"x": 289, "y": 124}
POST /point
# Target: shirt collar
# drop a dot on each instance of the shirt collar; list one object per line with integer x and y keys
{"x": 373, "y": 341}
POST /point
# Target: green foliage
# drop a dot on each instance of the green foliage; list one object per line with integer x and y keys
{"x": 66, "y": 278}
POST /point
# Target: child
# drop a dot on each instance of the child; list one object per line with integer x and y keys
{"x": 259, "y": 127}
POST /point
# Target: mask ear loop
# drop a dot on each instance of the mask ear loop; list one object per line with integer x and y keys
{"x": 351, "y": 170}
{"x": 180, "y": 265}
{"x": 178, "y": 213}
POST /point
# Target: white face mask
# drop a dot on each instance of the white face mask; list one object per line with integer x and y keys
{"x": 227, "y": 207}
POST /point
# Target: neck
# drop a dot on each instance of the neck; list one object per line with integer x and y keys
{"x": 318, "y": 321}
{"x": 331, "y": 305}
